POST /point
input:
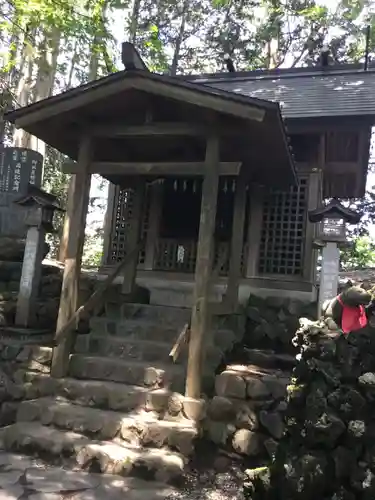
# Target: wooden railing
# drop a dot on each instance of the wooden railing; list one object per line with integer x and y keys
{"x": 96, "y": 297}
{"x": 183, "y": 336}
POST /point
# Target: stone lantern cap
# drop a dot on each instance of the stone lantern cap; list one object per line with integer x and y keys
{"x": 333, "y": 218}
{"x": 41, "y": 207}
{"x": 334, "y": 210}
{"x": 38, "y": 197}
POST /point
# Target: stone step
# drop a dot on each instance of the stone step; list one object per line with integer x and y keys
{"x": 108, "y": 457}
{"x": 153, "y": 376}
{"x": 115, "y": 396}
{"x": 165, "y": 315}
{"x": 139, "y": 350}
{"x": 141, "y": 329}
{"x": 142, "y": 428}
{"x": 252, "y": 382}
{"x": 153, "y": 330}
{"x": 269, "y": 359}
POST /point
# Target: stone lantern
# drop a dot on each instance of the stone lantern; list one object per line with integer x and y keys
{"x": 40, "y": 207}
{"x": 332, "y": 219}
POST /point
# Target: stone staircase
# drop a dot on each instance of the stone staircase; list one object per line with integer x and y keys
{"x": 121, "y": 409}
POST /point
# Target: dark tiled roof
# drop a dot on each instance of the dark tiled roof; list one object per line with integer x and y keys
{"x": 305, "y": 93}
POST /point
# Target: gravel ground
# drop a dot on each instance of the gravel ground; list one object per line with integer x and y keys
{"x": 211, "y": 485}
{"x": 212, "y": 476}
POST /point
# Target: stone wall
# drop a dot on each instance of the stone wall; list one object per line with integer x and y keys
{"x": 16, "y": 360}
{"x": 48, "y": 295}
{"x": 328, "y": 448}
{"x": 246, "y": 415}
{"x": 272, "y": 322}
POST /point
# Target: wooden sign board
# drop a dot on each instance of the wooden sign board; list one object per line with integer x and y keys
{"x": 333, "y": 228}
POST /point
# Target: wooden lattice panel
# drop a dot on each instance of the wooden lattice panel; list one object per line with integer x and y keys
{"x": 284, "y": 221}
{"x": 180, "y": 256}
{"x": 122, "y": 221}
{"x": 176, "y": 255}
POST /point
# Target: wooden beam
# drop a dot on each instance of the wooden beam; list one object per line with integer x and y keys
{"x": 157, "y": 129}
{"x": 203, "y": 270}
{"x": 209, "y": 99}
{"x": 237, "y": 240}
{"x": 121, "y": 130}
{"x": 161, "y": 168}
{"x": 70, "y": 286}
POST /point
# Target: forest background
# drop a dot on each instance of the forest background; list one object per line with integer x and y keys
{"x": 48, "y": 46}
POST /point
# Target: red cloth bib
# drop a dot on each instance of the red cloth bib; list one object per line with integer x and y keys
{"x": 353, "y": 318}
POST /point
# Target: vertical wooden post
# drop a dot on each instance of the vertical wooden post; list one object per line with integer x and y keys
{"x": 254, "y": 233}
{"x": 108, "y": 223}
{"x": 312, "y": 202}
{"x": 238, "y": 224}
{"x": 130, "y": 271}
{"x": 69, "y": 292}
{"x": 68, "y": 216}
{"x": 203, "y": 269}
{"x": 153, "y": 224}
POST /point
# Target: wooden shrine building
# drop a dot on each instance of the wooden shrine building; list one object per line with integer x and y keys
{"x": 328, "y": 113}
{"x": 201, "y": 172}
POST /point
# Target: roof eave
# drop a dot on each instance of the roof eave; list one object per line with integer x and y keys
{"x": 240, "y": 106}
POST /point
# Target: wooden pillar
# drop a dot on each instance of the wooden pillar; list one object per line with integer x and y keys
{"x": 310, "y": 255}
{"x": 238, "y": 224}
{"x": 80, "y": 192}
{"x": 203, "y": 270}
{"x": 108, "y": 223}
{"x": 254, "y": 233}
{"x": 315, "y": 187}
{"x": 156, "y": 201}
{"x": 134, "y": 234}
{"x": 68, "y": 216}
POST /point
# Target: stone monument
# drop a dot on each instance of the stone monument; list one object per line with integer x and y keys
{"x": 18, "y": 168}
{"x": 40, "y": 207}
{"x": 332, "y": 219}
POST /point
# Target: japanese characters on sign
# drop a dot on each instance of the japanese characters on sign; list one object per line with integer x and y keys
{"x": 18, "y": 167}
{"x": 334, "y": 227}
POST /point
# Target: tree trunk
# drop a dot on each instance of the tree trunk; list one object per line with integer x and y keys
{"x": 178, "y": 42}
{"x": 24, "y": 92}
{"x": 47, "y": 67}
{"x": 133, "y": 28}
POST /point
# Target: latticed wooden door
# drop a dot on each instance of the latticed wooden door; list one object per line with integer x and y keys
{"x": 123, "y": 217}
{"x": 283, "y": 231}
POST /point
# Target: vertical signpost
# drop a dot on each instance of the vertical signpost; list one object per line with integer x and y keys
{"x": 333, "y": 219}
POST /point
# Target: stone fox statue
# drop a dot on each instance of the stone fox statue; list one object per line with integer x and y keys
{"x": 347, "y": 311}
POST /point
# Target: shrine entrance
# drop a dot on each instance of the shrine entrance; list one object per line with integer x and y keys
{"x": 179, "y": 224}
{"x": 175, "y": 222}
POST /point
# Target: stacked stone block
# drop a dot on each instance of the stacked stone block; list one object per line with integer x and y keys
{"x": 246, "y": 414}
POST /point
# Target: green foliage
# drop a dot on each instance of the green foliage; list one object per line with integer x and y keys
{"x": 360, "y": 255}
